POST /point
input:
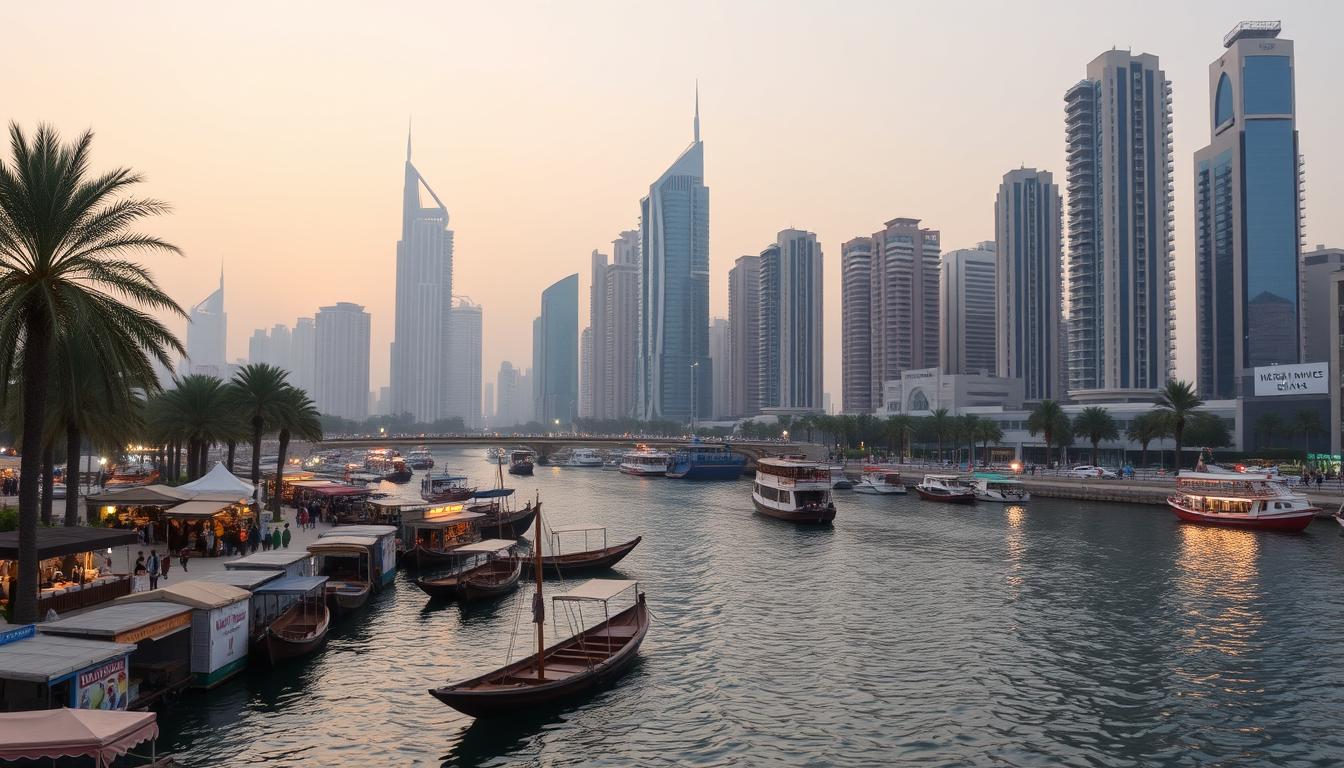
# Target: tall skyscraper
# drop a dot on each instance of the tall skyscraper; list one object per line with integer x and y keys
{"x": 259, "y": 347}
{"x": 791, "y": 322}
{"x": 622, "y": 329}
{"x": 1121, "y": 287}
{"x": 535, "y": 373}
{"x": 1248, "y": 212}
{"x": 1029, "y": 283}
{"x": 559, "y": 370}
{"x": 463, "y": 389}
{"x": 856, "y": 316}
{"x": 207, "y": 331}
{"x": 967, "y": 341}
{"x": 342, "y": 361}
{"x": 718, "y": 353}
{"x": 674, "y": 318}
{"x": 303, "y": 355}
{"x": 488, "y": 409}
{"x": 744, "y": 340}
{"x": 586, "y": 373}
{"x": 594, "y": 374}
{"x": 420, "y": 364}
{"x": 508, "y": 412}
{"x": 280, "y": 348}
{"x": 903, "y": 298}
{"x": 1316, "y": 282}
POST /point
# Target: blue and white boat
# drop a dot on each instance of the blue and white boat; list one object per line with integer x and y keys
{"x": 703, "y": 461}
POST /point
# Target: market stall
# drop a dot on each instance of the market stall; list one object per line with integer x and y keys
{"x": 138, "y": 508}
{"x": 392, "y": 511}
{"x": 336, "y": 502}
{"x": 160, "y": 665}
{"x": 292, "y": 562}
{"x": 52, "y": 672}
{"x": 73, "y": 733}
{"x": 73, "y": 567}
{"x": 439, "y": 528}
{"x": 384, "y": 552}
{"x": 219, "y": 625}
{"x": 202, "y": 526}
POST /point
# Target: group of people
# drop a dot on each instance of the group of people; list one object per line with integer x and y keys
{"x": 246, "y": 539}
{"x": 157, "y": 567}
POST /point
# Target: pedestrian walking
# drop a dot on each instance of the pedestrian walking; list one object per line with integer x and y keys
{"x": 284, "y": 536}
{"x": 275, "y": 538}
{"x": 166, "y": 563}
{"x": 153, "y": 566}
{"x": 140, "y": 563}
{"x": 182, "y": 557}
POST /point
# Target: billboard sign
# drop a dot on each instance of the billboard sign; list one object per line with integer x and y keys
{"x": 1303, "y": 379}
{"x": 102, "y": 687}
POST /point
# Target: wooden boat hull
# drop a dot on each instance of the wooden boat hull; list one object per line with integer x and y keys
{"x": 403, "y": 476}
{"x": 457, "y": 494}
{"x": 520, "y": 469}
{"x": 814, "y": 516}
{"x": 513, "y": 525}
{"x": 946, "y": 498}
{"x": 347, "y": 600}
{"x": 480, "y": 588}
{"x": 479, "y": 698}
{"x": 582, "y": 562}
{"x": 280, "y": 645}
{"x": 1298, "y": 520}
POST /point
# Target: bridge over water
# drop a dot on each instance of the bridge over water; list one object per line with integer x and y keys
{"x": 545, "y": 446}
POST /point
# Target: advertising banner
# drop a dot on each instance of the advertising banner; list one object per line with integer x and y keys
{"x": 228, "y": 634}
{"x": 1303, "y": 379}
{"x": 102, "y": 687}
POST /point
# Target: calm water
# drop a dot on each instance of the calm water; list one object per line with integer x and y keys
{"x": 1054, "y": 633}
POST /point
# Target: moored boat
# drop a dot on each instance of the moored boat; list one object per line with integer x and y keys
{"x": 493, "y": 576}
{"x": 945, "y": 488}
{"x": 131, "y": 476}
{"x": 301, "y": 624}
{"x": 420, "y": 458}
{"x": 999, "y": 488}
{"x": 839, "y": 480}
{"x": 1240, "y": 500}
{"x": 521, "y": 461}
{"x": 501, "y": 518}
{"x": 584, "y": 457}
{"x": 794, "y": 490}
{"x": 347, "y": 562}
{"x": 566, "y": 564}
{"x": 440, "y": 488}
{"x": 644, "y": 462}
{"x": 705, "y": 461}
{"x": 496, "y": 456}
{"x": 880, "y": 483}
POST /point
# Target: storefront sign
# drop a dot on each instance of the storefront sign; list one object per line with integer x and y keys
{"x": 161, "y": 627}
{"x": 1304, "y": 379}
{"x": 102, "y": 687}
{"x": 228, "y": 634}
{"x": 16, "y": 634}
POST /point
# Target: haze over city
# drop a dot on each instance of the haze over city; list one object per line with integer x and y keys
{"x": 277, "y": 132}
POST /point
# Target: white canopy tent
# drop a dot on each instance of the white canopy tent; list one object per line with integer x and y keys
{"x": 219, "y": 480}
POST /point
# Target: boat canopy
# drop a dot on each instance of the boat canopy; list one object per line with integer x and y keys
{"x": 292, "y": 585}
{"x": 597, "y": 590}
{"x": 359, "y": 530}
{"x": 49, "y": 657}
{"x": 339, "y": 542}
{"x": 484, "y": 546}
{"x": 50, "y": 734}
{"x": 444, "y": 521}
{"x": 445, "y": 477}
{"x": 494, "y": 493}
{"x": 194, "y": 593}
{"x": 577, "y": 528}
{"x": 242, "y": 579}
{"x": 400, "y": 505}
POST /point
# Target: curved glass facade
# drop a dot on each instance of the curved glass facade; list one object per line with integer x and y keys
{"x": 1222, "y": 103}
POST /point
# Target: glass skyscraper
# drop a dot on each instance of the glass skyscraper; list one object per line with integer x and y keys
{"x": 1028, "y": 282}
{"x": 558, "y": 329}
{"x": 1248, "y": 213}
{"x": 674, "y": 364}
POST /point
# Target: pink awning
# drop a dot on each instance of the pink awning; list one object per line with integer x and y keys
{"x": 51, "y": 733}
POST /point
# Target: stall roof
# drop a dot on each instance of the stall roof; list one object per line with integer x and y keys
{"x": 359, "y": 530}
{"x": 436, "y": 522}
{"x": 48, "y": 657}
{"x": 485, "y": 546}
{"x": 142, "y": 496}
{"x": 308, "y": 482}
{"x": 114, "y": 619}
{"x": 94, "y": 733}
{"x": 243, "y": 579}
{"x": 67, "y": 540}
{"x": 292, "y": 585}
{"x": 404, "y": 505}
{"x": 338, "y": 489}
{"x": 194, "y": 593}
{"x": 597, "y": 590}
{"x": 197, "y": 510}
{"x": 219, "y": 480}
{"x": 272, "y": 559}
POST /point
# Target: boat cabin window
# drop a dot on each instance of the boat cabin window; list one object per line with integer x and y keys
{"x": 810, "y": 498}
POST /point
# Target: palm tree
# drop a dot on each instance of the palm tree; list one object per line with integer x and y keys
{"x": 967, "y": 426}
{"x": 1267, "y": 426}
{"x": 987, "y": 431}
{"x": 1095, "y": 424}
{"x": 1176, "y": 402}
{"x": 196, "y": 411}
{"x": 899, "y": 428}
{"x": 1307, "y": 422}
{"x": 1045, "y": 419}
{"x": 258, "y": 390}
{"x": 296, "y": 416}
{"x": 1144, "y": 429}
{"x": 64, "y": 238}
{"x": 941, "y": 425}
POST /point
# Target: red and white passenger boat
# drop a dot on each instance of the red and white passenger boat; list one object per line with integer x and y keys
{"x": 1240, "y": 500}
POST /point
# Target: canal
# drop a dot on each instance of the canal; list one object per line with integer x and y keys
{"x": 1056, "y": 632}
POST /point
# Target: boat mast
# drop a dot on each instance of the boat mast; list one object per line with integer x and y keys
{"x": 539, "y": 604}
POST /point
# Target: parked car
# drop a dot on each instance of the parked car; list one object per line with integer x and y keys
{"x": 1087, "y": 470}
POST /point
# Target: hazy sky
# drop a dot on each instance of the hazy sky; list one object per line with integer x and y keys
{"x": 277, "y": 130}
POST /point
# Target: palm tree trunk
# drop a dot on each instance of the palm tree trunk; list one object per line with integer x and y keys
{"x": 233, "y": 446}
{"x": 256, "y": 451}
{"x": 72, "y": 467}
{"x": 280, "y": 472}
{"x": 48, "y": 482}
{"x": 1094, "y": 453}
{"x": 1143, "y": 456}
{"x": 37, "y": 348}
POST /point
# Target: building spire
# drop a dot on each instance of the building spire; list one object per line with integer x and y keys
{"x": 697, "y": 110}
{"x": 408, "y": 139}
{"x": 221, "y": 274}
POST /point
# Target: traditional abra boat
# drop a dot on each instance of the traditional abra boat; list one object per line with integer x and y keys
{"x": 945, "y": 488}
{"x": 493, "y": 576}
{"x": 794, "y": 490}
{"x": 1240, "y": 500}
{"x": 880, "y": 483}
{"x": 566, "y": 671}
{"x": 437, "y": 489}
{"x": 569, "y": 564}
{"x": 347, "y": 562}
{"x": 298, "y": 629}
{"x": 503, "y": 519}
{"x": 434, "y": 535}
{"x": 521, "y": 461}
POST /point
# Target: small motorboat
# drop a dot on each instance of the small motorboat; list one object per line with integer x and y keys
{"x": 521, "y": 461}
{"x": 584, "y": 457}
{"x": 569, "y": 564}
{"x": 420, "y": 458}
{"x": 1001, "y": 489}
{"x": 880, "y": 483}
{"x": 399, "y": 473}
{"x": 496, "y": 456}
{"x": 611, "y": 465}
{"x": 302, "y": 627}
{"x": 494, "y": 576}
{"x": 945, "y": 488}
{"x": 839, "y": 480}
{"x": 444, "y": 487}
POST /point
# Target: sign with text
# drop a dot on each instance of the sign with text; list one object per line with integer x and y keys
{"x": 1304, "y": 379}
{"x": 102, "y": 687}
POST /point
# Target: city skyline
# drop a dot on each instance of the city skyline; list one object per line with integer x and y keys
{"x": 288, "y": 270}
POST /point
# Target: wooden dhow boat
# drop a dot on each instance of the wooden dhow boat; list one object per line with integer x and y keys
{"x": 568, "y": 670}
{"x": 300, "y": 628}
{"x": 566, "y": 564}
{"x": 493, "y": 576}
{"x": 502, "y": 518}
{"x": 347, "y": 562}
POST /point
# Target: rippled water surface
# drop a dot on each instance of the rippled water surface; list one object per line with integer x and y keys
{"x": 1057, "y": 633}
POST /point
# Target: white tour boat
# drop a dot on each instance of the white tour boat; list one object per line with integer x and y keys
{"x": 585, "y": 457}
{"x": 1240, "y": 500}
{"x": 645, "y": 462}
{"x": 793, "y": 490}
